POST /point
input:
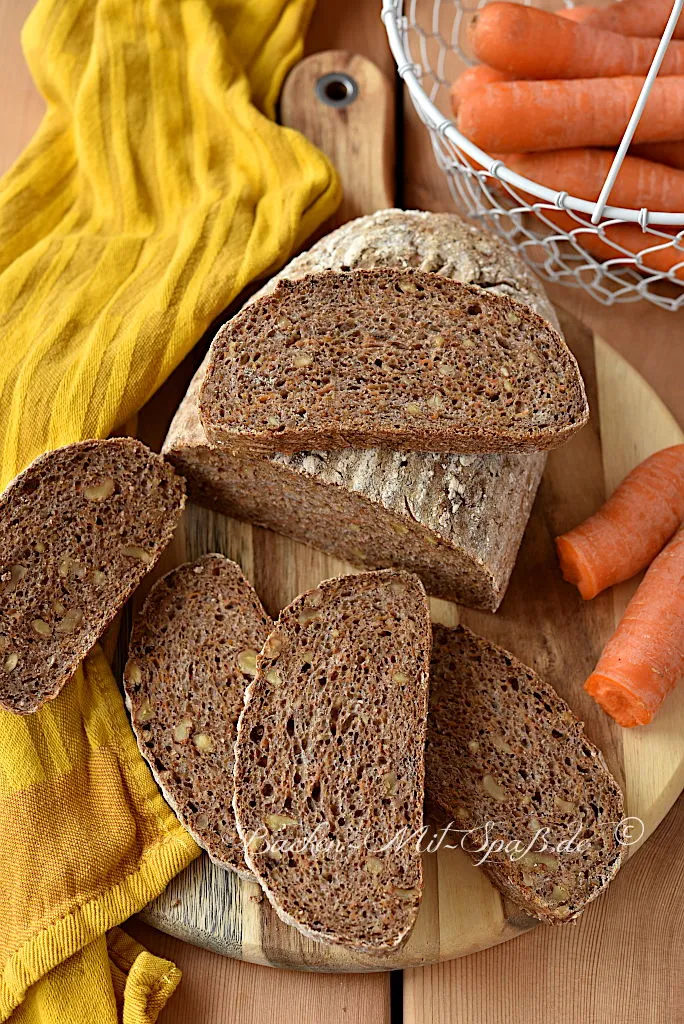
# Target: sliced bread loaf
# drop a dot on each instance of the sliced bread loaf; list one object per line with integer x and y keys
{"x": 79, "y": 528}
{"x": 454, "y": 520}
{"x": 192, "y": 653}
{"x": 396, "y": 359}
{"x": 329, "y": 760}
{"x": 504, "y": 749}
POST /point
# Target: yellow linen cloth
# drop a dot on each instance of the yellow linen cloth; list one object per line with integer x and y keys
{"x": 156, "y": 188}
{"x": 86, "y": 840}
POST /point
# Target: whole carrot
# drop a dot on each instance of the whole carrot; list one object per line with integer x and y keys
{"x": 669, "y": 153}
{"x": 512, "y": 117}
{"x": 644, "y": 660}
{"x": 582, "y": 172}
{"x": 528, "y": 42}
{"x": 636, "y": 18}
{"x": 629, "y": 530}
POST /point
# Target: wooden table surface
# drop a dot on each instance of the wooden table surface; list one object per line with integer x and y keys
{"x": 622, "y": 960}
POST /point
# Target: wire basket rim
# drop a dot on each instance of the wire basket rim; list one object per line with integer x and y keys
{"x": 394, "y": 21}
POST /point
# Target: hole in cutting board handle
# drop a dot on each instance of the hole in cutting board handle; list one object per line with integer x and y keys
{"x": 337, "y": 89}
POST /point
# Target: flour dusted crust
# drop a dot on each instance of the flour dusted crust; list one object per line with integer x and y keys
{"x": 465, "y": 514}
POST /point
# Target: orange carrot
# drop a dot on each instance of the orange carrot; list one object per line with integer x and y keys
{"x": 510, "y": 117}
{"x": 665, "y": 259}
{"x": 636, "y": 18}
{"x": 644, "y": 659}
{"x": 472, "y": 79}
{"x": 528, "y": 42}
{"x": 582, "y": 172}
{"x": 630, "y": 529}
{"x": 670, "y": 153}
{"x": 576, "y": 13}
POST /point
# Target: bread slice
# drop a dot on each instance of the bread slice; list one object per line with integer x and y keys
{"x": 79, "y": 528}
{"x": 504, "y": 748}
{"x": 455, "y": 520}
{"x": 329, "y": 760}
{"x": 192, "y": 652}
{"x": 397, "y": 359}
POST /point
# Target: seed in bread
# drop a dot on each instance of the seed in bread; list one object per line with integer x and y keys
{"x": 504, "y": 748}
{"x": 79, "y": 528}
{"x": 329, "y": 760}
{"x": 192, "y": 652}
{"x": 385, "y": 358}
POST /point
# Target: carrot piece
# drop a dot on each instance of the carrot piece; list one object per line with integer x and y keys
{"x": 669, "y": 153}
{"x": 644, "y": 659}
{"x": 510, "y": 117}
{"x": 636, "y": 18}
{"x": 576, "y": 13}
{"x": 528, "y": 42}
{"x": 472, "y": 79}
{"x": 630, "y": 529}
{"x": 618, "y": 237}
{"x": 582, "y": 172}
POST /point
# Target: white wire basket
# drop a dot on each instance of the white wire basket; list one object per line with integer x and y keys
{"x": 550, "y": 229}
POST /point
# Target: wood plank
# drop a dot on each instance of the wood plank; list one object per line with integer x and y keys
{"x": 217, "y": 989}
{"x": 620, "y": 962}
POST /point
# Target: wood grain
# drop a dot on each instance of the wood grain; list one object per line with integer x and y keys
{"x": 217, "y": 989}
{"x": 620, "y": 962}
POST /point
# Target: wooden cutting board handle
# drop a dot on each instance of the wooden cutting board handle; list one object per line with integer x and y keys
{"x": 345, "y": 105}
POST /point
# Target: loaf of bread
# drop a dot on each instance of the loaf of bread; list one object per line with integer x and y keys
{"x": 192, "y": 653}
{"x": 329, "y": 760}
{"x": 504, "y": 749}
{"x": 396, "y": 359}
{"x": 79, "y": 528}
{"x": 455, "y": 520}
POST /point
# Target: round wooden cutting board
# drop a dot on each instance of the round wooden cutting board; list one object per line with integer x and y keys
{"x": 542, "y": 620}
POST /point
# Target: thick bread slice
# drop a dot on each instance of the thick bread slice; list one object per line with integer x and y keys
{"x": 329, "y": 760}
{"x": 79, "y": 528}
{"x": 396, "y": 359}
{"x": 504, "y": 748}
{"x": 192, "y": 653}
{"x": 455, "y": 520}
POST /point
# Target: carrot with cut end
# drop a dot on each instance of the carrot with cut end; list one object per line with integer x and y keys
{"x": 644, "y": 660}
{"x": 636, "y": 18}
{"x": 669, "y": 153}
{"x": 512, "y": 117}
{"x": 582, "y": 172}
{"x": 630, "y": 529}
{"x": 528, "y": 42}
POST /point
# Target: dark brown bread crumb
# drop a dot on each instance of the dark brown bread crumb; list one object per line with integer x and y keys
{"x": 503, "y": 747}
{"x": 192, "y": 653}
{"x": 79, "y": 529}
{"x": 330, "y": 744}
{"x": 389, "y": 358}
